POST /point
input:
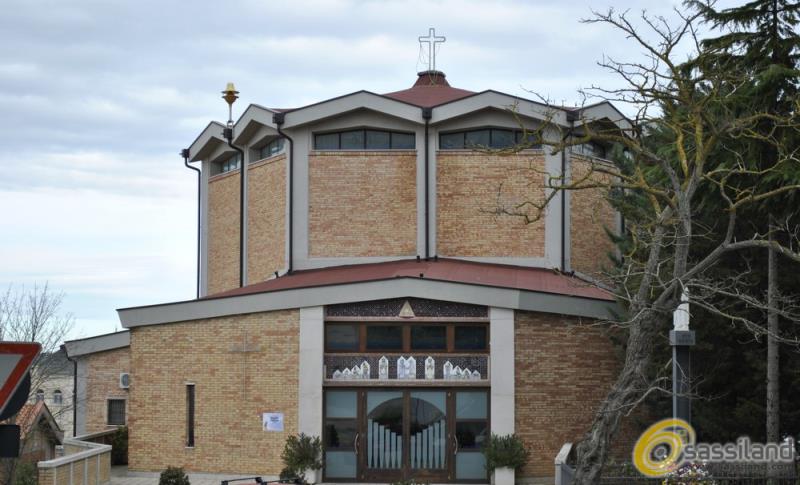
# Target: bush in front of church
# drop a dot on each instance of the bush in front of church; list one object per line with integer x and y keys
{"x": 301, "y": 454}
{"x": 173, "y": 476}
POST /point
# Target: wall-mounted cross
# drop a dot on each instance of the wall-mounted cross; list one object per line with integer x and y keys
{"x": 432, "y": 39}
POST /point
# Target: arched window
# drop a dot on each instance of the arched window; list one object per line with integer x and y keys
{"x": 58, "y": 398}
{"x": 39, "y": 395}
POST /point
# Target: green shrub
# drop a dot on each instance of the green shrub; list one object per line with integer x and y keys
{"x": 505, "y": 451}
{"x": 300, "y": 453}
{"x": 173, "y": 476}
{"x": 119, "y": 446}
{"x": 26, "y": 474}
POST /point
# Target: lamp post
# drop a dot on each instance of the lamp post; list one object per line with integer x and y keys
{"x": 230, "y": 95}
{"x": 681, "y": 339}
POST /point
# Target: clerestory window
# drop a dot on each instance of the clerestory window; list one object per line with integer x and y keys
{"x": 365, "y": 139}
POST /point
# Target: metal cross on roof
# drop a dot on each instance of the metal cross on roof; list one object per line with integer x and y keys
{"x": 431, "y": 40}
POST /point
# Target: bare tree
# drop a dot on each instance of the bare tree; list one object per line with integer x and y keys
{"x": 673, "y": 158}
{"x": 35, "y": 314}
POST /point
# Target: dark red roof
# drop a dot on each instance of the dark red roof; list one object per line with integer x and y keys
{"x": 447, "y": 270}
{"x": 430, "y": 89}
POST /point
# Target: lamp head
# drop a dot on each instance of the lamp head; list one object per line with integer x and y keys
{"x": 230, "y": 95}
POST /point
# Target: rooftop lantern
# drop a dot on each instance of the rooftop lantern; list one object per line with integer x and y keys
{"x": 230, "y": 95}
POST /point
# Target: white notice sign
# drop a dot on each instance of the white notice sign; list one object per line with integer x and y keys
{"x": 272, "y": 421}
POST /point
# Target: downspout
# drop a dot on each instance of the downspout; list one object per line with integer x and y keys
{"x": 427, "y": 114}
{"x": 74, "y": 392}
{"x": 228, "y": 134}
{"x": 278, "y": 119}
{"x": 185, "y": 155}
{"x": 571, "y": 117}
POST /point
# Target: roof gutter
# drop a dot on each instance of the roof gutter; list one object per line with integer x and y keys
{"x": 427, "y": 114}
{"x": 185, "y": 155}
{"x": 278, "y": 119}
{"x": 571, "y": 117}
{"x": 228, "y": 134}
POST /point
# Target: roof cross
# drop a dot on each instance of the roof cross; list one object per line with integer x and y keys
{"x": 432, "y": 39}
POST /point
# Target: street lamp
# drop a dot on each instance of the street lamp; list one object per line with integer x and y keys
{"x": 230, "y": 95}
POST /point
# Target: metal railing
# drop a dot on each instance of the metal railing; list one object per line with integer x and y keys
{"x": 260, "y": 480}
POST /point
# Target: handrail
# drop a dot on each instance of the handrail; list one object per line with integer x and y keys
{"x": 92, "y": 449}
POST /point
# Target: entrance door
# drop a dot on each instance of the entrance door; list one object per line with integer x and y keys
{"x": 406, "y": 435}
{"x": 389, "y": 435}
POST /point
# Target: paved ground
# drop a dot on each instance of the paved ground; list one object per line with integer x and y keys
{"x": 119, "y": 476}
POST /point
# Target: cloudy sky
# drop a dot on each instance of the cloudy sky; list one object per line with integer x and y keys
{"x": 98, "y": 96}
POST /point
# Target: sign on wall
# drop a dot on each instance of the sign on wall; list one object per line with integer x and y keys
{"x": 272, "y": 421}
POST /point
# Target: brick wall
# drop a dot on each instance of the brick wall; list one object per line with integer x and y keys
{"x": 564, "y": 369}
{"x": 589, "y": 214}
{"x": 266, "y": 218}
{"x": 102, "y": 383}
{"x": 468, "y": 183}
{"x": 223, "y": 232}
{"x": 362, "y": 203}
{"x": 232, "y": 390}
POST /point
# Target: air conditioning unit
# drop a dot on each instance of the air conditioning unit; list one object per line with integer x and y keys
{"x": 124, "y": 380}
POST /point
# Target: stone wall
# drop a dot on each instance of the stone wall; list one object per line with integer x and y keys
{"x": 467, "y": 193}
{"x": 223, "y": 232}
{"x": 266, "y": 218}
{"x": 362, "y": 203}
{"x": 232, "y": 390}
{"x": 102, "y": 383}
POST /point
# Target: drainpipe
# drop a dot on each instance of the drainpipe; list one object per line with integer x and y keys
{"x": 571, "y": 117}
{"x": 278, "y": 119}
{"x": 227, "y": 133}
{"x": 185, "y": 155}
{"x": 74, "y": 391}
{"x": 427, "y": 114}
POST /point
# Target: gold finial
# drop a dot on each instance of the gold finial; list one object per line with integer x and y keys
{"x": 230, "y": 94}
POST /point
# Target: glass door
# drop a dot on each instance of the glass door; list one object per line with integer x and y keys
{"x": 428, "y": 435}
{"x": 383, "y": 458}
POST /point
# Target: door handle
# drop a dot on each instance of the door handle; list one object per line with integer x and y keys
{"x": 455, "y": 445}
{"x": 355, "y": 443}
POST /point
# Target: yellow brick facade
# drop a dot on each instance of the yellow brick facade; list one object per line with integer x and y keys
{"x": 233, "y": 389}
{"x": 362, "y": 203}
{"x": 223, "y": 232}
{"x": 266, "y": 218}
{"x": 102, "y": 383}
{"x": 467, "y": 192}
{"x": 590, "y": 214}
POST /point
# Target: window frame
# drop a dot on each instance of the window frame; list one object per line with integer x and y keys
{"x": 516, "y": 134}
{"x": 58, "y": 397}
{"x": 406, "y": 347}
{"x": 278, "y": 141}
{"x": 364, "y": 147}
{"x": 124, "y": 411}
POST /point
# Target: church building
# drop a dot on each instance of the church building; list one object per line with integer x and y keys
{"x": 357, "y": 283}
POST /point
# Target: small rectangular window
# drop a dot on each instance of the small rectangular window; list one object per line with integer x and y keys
{"x": 116, "y": 412}
{"x": 470, "y": 337}
{"x": 353, "y": 140}
{"x": 403, "y": 141}
{"x": 451, "y": 141}
{"x": 384, "y": 337}
{"x": 378, "y": 140}
{"x": 190, "y": 415}
{"x": 341, "y": 337}
{"x": 429, "y": 337}
{"x": 475, "y": 139}
{"x": 327, "y": 141}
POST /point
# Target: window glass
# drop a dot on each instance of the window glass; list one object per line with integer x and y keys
{"x": 502, "y": 139}
{"x": 403, "y": 141}
{"x": 328, "y": 141}
{"x": 471, "y": 405}
{"x": 378, "y": 140}
{"x": 340, "y": 464}
{"x": 471, "y": 434}
{"x": 478, "y": 138}
{"x": 451, "y": 141}
{"x": 429, "y": 337}
{"x": 352, "y": 140}
{"x": 340, "y": 433}
{"x": 470, "y": 466}
{"x": 384, "y": 337}
{"x": 470, "y": 337}
{"x": 58, "y": 398}
{"x": 40, "y": 395}
{"x": 341, "y": 337}
{"x": 340, "y": 404}
{"x": 116, "y": 411}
